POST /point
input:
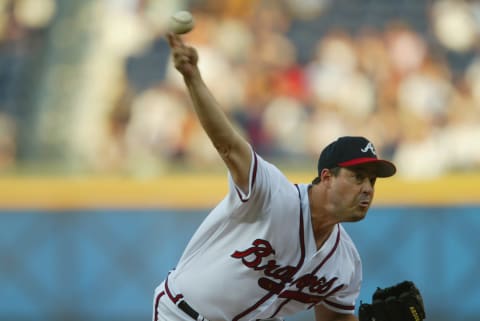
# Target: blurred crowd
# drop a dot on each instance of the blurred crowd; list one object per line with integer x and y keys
{"x": 292, "y": 74}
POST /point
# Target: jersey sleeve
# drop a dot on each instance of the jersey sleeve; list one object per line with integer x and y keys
{"x": 345, "y": 301}
{"x": 264, "y": 178}
{"x": 235, "y": 190}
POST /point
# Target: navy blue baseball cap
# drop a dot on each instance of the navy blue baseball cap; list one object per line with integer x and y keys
{"x": 349, "y": 151}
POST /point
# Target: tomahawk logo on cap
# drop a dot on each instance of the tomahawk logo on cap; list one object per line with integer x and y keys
{"x": 369, "y": 147}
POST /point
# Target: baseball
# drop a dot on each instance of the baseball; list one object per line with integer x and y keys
{"x": 181, "y": 22}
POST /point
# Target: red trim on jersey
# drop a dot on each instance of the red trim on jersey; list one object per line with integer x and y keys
{"x": 174, "y": 299}
{"x": 254, "y": 174}
{"x": 157, "y": 301}
{"x": 302, "y": 247}
{"x": 297, "y": 268}
{"x": 340, "y": 306}
{"x": 337, "y": 241}
{"x": 254, "y": 169}
{"x": 301, "y": 234}
{"x": 329, "y": 255}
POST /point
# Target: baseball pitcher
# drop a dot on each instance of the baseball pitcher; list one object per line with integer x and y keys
{"x": 272, "y": 248}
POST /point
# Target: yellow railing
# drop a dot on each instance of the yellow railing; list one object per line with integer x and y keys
{"x": 204, "y": 191}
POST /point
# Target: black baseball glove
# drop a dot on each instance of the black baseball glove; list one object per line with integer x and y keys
{"x": 401, "y": 302}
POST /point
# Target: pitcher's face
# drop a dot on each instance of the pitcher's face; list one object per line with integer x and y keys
{"x": 352, "y": 192}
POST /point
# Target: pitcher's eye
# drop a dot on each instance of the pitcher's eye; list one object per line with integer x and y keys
{"x": 360, "y": 177}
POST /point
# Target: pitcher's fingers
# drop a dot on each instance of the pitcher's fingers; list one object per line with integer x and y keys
{"x": 183, "y": 60}
{"x": 174, "y": 40}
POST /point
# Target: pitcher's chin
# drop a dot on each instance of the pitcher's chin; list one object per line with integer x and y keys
{"x": 358, "y": 215}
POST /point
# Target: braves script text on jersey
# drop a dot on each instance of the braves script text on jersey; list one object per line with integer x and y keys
{"x": 255, "y": 257}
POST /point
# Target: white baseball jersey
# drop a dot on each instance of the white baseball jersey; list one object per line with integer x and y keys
{"x": 255, "y": 256}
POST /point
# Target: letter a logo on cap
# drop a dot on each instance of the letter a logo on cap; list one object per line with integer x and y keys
{"x": 369, "y": 147}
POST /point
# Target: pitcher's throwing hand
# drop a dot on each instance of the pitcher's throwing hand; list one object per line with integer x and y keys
{"x": 185, "y": 58}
